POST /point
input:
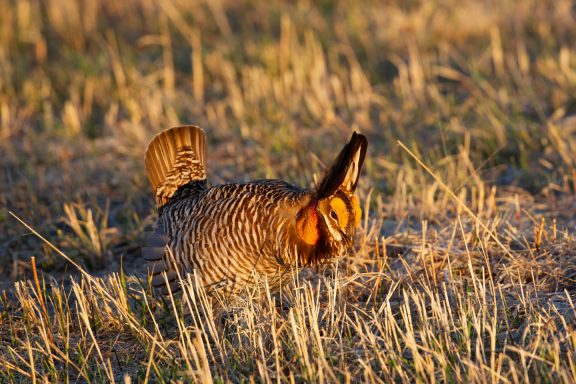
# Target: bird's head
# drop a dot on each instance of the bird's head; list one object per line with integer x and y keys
{"x": 327, "y": 223}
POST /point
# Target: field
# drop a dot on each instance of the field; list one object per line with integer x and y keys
{"x": 463, "y": 269}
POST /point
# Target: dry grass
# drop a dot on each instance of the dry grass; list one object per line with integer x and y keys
{"x": 464, "y": 269}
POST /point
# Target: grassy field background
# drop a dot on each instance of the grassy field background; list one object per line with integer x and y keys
{"x": 465, "y": 272}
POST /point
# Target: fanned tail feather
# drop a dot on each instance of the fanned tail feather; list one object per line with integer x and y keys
{"x": 175, "y": 157}
{"x": 175, "y": 160}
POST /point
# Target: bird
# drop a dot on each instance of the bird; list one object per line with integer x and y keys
{"x": 238, "y": 235}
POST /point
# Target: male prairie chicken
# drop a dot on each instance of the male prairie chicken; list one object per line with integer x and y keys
{"x": 236, "y": 235}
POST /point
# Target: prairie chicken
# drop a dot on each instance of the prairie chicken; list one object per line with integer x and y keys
{"x": 235, "y": 235}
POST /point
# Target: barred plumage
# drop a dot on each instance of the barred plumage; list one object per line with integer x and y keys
{"x": 237, "y": 235}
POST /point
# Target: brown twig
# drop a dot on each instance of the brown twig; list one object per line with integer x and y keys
{"x": 41, "y": 299}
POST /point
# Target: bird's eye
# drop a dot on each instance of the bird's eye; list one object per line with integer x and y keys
{"x": 333, "y": 215}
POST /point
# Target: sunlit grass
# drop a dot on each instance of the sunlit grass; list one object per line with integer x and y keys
{"x": 463, "y": 269}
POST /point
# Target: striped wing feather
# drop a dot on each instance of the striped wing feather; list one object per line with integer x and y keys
{"x": 228, "y": 234}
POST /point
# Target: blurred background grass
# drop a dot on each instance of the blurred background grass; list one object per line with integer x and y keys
{"x": 278, "y": 87}
{"x": 484, "y": 92}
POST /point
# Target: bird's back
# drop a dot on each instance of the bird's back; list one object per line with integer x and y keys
{"x": 234, "y": 235}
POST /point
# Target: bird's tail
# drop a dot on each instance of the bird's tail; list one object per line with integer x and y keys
{"x": 175, "y": 157}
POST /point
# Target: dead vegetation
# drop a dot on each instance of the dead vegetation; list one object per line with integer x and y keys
{"x": 464, "y": 269}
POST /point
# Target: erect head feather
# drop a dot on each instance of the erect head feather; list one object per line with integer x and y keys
{"x": 345, "y": 171}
